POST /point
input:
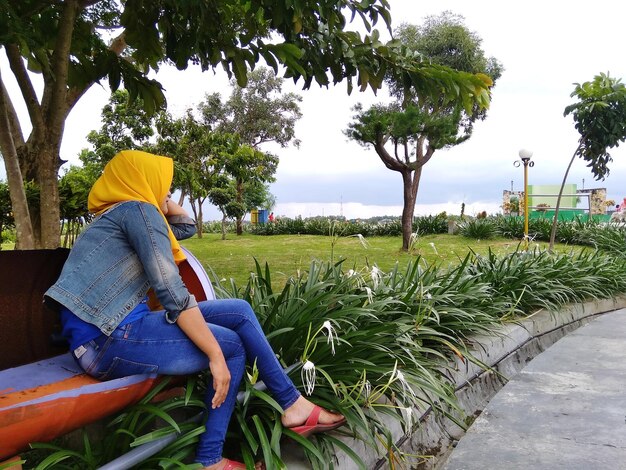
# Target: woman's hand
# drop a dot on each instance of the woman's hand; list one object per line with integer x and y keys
{"x": 221, "y": 381}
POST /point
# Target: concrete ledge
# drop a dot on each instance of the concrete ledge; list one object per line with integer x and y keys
{"x": 506, "y": 353}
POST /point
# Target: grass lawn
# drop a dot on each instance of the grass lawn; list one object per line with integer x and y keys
{"x": 285, "y": 254}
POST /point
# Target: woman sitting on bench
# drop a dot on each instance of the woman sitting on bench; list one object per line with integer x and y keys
{"x": 128, "y": 249}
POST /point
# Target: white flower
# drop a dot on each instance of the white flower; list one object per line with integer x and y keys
{"x": 370, "y": 295}
{"x": 308, "y": 377}
{"x": 350, "y": 273}
{"x": 407, "y": 412}
{"x": 332, "y": 335}
{"x": 376, "y": 275}
{"x": 434, "y": 248}
{"x": 362, "y": 239}
{"x": 428, "y": 296}
{"x": 405, "y": 385}
{"x": 367, "y": 389}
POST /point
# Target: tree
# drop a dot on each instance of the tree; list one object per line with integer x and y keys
{"x": 74, "y": 187}
{"x": 600, "y": 119}
{"x": 67, "y": 44}
{"x": 259, "y": 114}
{"x": 249, "y": 167}
{"x": 406, "y": 133}
{"x": 223, "y": 195}
{"x": 199, "y": 157}
{"x": 125, "y": 126}
{"x": 258, "y": 194}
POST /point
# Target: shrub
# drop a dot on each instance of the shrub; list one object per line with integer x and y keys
{"x": 431, "y": 224}
{"x": 482, "y": 229}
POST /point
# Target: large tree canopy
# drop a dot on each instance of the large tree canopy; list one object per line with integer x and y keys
{"x": 406, "y": 133}
{"x": 76, "y": 43}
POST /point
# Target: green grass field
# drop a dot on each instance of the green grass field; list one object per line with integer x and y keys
{"x": 286, "y": 254}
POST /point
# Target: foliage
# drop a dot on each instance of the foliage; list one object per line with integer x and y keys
{"x": 381, "y": 342}
{"x": 74, "y": 187}
{"x": 6, "y": 215}
{"x": 445, "y": 40}
{"x": 600, "y": 119}
{"x": 275, "y": 113}
{"x": 482, "y": 229}
{"x": 388, "y": 226}
{"x": 125, "y": 126}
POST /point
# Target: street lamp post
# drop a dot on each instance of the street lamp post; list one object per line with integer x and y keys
{"x": 525, "y": 160}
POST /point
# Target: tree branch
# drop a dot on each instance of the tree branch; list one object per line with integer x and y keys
{"x": 429, "y": 153}
{"x": 17, "y": 192}
{"x": 388, "y": 160}
{"x": 119, "y": 44}
{"x": 11, "y": 118}
{"x": 55, "y": 96}
{"x": 26, "y": 87}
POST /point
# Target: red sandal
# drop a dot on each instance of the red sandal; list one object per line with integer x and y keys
{"x": 313, "y": 426}
{"x": 233, "y": 465}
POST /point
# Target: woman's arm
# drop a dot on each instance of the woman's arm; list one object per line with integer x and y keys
{"x": 146, "y": 231}
{"x": 182, "y": 225}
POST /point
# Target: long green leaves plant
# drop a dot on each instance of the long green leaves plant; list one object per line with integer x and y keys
{"x": 376, "y": 346}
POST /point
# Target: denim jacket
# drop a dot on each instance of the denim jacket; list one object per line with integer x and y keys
{"x": 114, "y": 262}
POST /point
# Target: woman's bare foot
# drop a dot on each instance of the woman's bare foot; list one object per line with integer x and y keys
{"x": 298, "y": 413}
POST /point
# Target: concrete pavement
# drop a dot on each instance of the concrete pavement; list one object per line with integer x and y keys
{"x": 565, "y": 410}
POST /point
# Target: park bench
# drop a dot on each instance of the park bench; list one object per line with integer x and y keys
{"x": 43, "y": 392}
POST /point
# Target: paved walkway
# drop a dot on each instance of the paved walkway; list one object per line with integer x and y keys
{"x": 565, "y": 410}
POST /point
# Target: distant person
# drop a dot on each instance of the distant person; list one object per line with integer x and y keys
{"x": 102, "y": 295}
{"x": 271, "y": 217}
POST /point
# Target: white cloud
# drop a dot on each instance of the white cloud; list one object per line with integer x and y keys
{"x": 357, "y": 210}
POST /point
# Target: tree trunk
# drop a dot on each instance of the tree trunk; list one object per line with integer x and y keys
{"x": 410, "y": 180}
{"x": 558, "y": 201}
{"x": 49, "y": 204}
{"x": 192, "y": 202}
{"x": 199, "y": 219}
{"x": 17, "y": 193}
{"x": 239, "y": 200}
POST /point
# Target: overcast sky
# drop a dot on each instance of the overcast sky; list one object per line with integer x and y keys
{"x": 545, "y": 47}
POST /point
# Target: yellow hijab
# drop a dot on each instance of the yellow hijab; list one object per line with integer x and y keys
{"x": 133, "y": 175}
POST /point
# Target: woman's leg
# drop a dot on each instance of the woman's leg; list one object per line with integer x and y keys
{"x": 237, "y": 315}
{"x": 151, "y": 344}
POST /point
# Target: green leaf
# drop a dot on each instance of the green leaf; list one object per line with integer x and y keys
{"x": 266, "y": 448}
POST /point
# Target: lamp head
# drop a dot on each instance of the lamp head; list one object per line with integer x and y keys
{"x": 525, "y": 155}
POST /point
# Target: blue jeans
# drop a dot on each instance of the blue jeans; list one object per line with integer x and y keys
{"x": 152, "y": 345}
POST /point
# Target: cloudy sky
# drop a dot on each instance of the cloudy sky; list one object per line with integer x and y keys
{"x": 545, "y": 47}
